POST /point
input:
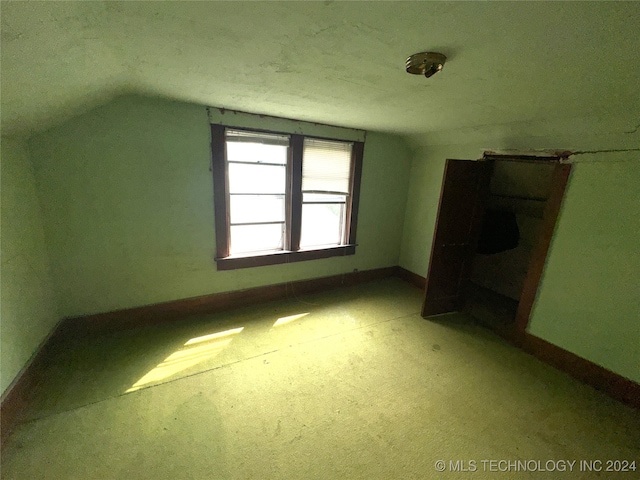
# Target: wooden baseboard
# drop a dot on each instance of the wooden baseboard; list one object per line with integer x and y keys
{"x": 614, "y": 385}
{"x": 17, "y": 395}
{"x": 598, "y": 377}
{"x": 412, "y": 278}
{"x": 162, "y": 312}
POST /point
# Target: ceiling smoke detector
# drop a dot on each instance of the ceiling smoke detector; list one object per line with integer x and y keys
{"x": 425, "y": 63}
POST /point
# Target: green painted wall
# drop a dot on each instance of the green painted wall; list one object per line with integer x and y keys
{"x": 588, "y": 297}
{"x": 422, "y": 210}
{"x": 128, "y": 207}
{"x": 27, "y": 306}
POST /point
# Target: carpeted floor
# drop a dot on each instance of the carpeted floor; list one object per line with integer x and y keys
{"x": 339, "y": 385}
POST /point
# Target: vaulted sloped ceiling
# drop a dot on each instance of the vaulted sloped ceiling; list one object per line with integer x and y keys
{"x": 512, "y": 66}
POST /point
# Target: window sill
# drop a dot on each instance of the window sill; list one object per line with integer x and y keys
{"x": 275, "y": 258}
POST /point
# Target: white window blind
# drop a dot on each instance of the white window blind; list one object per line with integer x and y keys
{"x": 326, "y": 182}
{"x": 326, "y": 166}
{"x": 257, "y": 137}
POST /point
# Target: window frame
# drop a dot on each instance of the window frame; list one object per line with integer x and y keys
{"x": 293, "y": 204}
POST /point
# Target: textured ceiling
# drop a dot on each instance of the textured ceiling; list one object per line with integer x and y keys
{"x": 511, "y": 65}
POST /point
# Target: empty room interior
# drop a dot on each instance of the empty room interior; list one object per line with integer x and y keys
{"x": 329, "y": 239}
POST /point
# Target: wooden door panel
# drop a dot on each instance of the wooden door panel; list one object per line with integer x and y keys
{"x": 444, "y": 271}
{"x": 465, "y": 184}
{"x": 445, "y": 278}
{"x": 458, "y": 199}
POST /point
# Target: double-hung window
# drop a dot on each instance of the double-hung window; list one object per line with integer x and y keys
{"x": 283, "y": 197}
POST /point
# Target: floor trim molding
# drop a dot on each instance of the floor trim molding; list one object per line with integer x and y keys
{"x": 614, "y": 385}
{"x": 216, "y": 302}
{"x": 412, "y": 278}
{"x": 16, "y": 396}
{"x": 606, "y": 381}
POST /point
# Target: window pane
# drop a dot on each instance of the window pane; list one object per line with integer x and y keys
{"x": 256, "y": 208}
{"x": 255, "y": 238}
{"x": 256, "y": 178}
{"x": 322, "y": 224}
{"x": 326, "y": 166}
{"x": 323, "y": 198}
{"x": 246, "y": 146}
{"x": 256, "y": 152}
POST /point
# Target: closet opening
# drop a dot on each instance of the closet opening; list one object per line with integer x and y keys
{"x": 495, "y": 221}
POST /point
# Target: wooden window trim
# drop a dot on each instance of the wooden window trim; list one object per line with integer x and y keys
{"x": 357, "y": 154}
{"x": 292, "y": 252}
{"x": 283, "y": 256}
{"x": 295, "y": 223}
{"x": 220, "y": 189}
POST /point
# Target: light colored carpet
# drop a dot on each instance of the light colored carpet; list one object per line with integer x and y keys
{"x": 349, "y": 384}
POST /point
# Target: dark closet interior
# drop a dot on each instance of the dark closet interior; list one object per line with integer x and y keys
{"x": 509, "y": 232}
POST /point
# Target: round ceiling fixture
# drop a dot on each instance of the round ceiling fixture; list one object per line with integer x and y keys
{"x": 425, "y": 63}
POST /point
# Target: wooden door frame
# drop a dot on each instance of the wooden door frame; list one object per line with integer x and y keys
{"x": 538, "y": 257}
{"x": 539, "y": 254}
